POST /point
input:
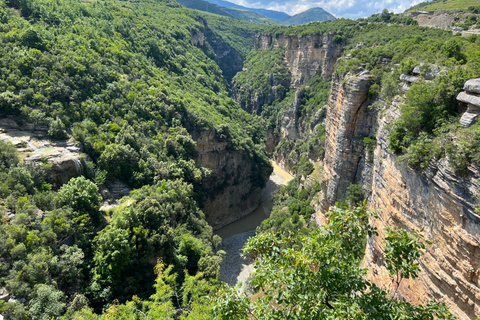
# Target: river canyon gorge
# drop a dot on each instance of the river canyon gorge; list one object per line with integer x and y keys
{"x": 320, "y": 107}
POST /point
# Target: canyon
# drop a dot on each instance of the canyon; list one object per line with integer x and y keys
{"x": 436, "y": 202}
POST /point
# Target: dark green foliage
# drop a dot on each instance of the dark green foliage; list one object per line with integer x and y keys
{"x": 266, "y": 80}
{"x": 304, "y": 167}
{"x": 8, "y": 155}
{"x": 355, "y": 194}
{"x": 164, "y": 222}
{"x": 124, "y": 80}
{"x": 292, "y": 210}
{"x": 82, "y": 196}
{"x": 204, "y": 6}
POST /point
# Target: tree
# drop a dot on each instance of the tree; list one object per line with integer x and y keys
{"x": 48, "y": 303}
{"x": 323, "y": 279}
{"x": 82, "y": 196}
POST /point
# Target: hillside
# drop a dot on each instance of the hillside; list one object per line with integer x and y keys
{"x": 251, "y": 16}
{"x": 277, "y": 15}
{"x": 131, "y": 131}
{"x": 204, "y": 6}
{"x": 313, "y": 14}
{"x": 104, "y": 100}
{"x": 449, "y": 5}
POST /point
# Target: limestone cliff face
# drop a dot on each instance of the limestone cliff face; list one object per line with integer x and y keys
{"x": 305, "y": 56}
{"x": 234, "y": 193}
{"x": 437, "y": 200}
{"x": 348, "y": 122}
{"x": 442, "y": 203}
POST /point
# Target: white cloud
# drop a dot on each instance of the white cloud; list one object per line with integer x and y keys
{"x": 340, "y": 8}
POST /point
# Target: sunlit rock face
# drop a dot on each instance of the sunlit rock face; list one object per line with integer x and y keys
{"x": 305, "y": 56}
{"x": 435, "y": 202}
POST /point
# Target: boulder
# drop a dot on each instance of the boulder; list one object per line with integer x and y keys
{"x": 469, "y": 98}
{"x": 472, "y": 85}
{"x": 469, "y": 118}
{"x": 409, "y": 79}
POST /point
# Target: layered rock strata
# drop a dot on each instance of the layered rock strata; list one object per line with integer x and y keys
{"x": 436, "y": 203}
{"x": 31, "y": 141}
{"x": 305, "y": 56}
{"x": 348, "y": 122}
{"x": 235, "y": 193}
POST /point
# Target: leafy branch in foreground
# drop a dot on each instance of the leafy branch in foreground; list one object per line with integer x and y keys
{"x": 324, "y": 278}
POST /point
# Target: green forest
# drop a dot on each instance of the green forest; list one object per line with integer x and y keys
{"x": 127, "y": 83}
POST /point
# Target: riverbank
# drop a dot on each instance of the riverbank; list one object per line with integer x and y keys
{"x": 234, "y": 235}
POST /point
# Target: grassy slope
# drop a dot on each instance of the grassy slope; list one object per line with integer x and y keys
{"x": 445, "y": 5}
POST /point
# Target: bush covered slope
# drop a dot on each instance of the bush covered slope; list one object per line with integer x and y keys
{"x": 125, "y": 81}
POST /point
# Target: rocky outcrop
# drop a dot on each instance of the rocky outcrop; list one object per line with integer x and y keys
{"x": 306, "y": 56}
{"x": 348, "y": 122}
{"x": 436, "y": 202}
{"x": 234, "y": 185}
{"x": 31, "y": 141}
{"x": 289, "y": 125}
{"x": 442, "y": 204}
{"x": 471, "y": 97}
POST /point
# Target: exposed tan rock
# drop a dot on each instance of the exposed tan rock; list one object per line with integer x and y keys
{"x": 234, "y": 194}
{"x": 35, "y": 148}
{"x": 348, "y": 122}
{"x": 437, "y": 200}
{"x": 440, "y": 202}
{"x": 305, "y": 56}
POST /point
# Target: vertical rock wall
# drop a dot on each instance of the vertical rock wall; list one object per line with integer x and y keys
{"x": 234, "y": 194}
{"x": 348, "y": 122}
{"x": 437, "y": 200}
{"x": 305, "y": 56}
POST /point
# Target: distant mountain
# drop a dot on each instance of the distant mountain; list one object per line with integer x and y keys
{"x": 250, "y": 16}
{"x": 277, "y": 15}
{"x": 313, "y": 14}
{"x": 205, "y": 6}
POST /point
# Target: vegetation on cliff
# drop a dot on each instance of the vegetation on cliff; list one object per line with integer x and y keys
{"x": 127, "y": 83}
{"x": 317, "y": 276}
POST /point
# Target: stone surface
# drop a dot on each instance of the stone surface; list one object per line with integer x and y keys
{"x": 36, "y": 148}
{"x": 289, "y": 124}
{"x": 443, "y": 204}
{"x": 469, "y": 118}
{"x": 472, "y": 85}
{"x": 305, "y": 56}
{"x": 348, "y": 122}
{"x": 469, "y": 98}
{"x": 409, "y": 79}
{"x": 233, "y": 193}
{"x": 437, "y": 200}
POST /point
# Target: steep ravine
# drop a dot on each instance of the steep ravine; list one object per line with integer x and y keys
{"x": 234, "y": 194}
{"x": 437, "y": 200}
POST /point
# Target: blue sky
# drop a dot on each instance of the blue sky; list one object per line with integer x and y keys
{"x": 340, "y": 8}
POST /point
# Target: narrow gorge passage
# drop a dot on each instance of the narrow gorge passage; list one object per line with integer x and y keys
{"x": 234, "y": 235}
